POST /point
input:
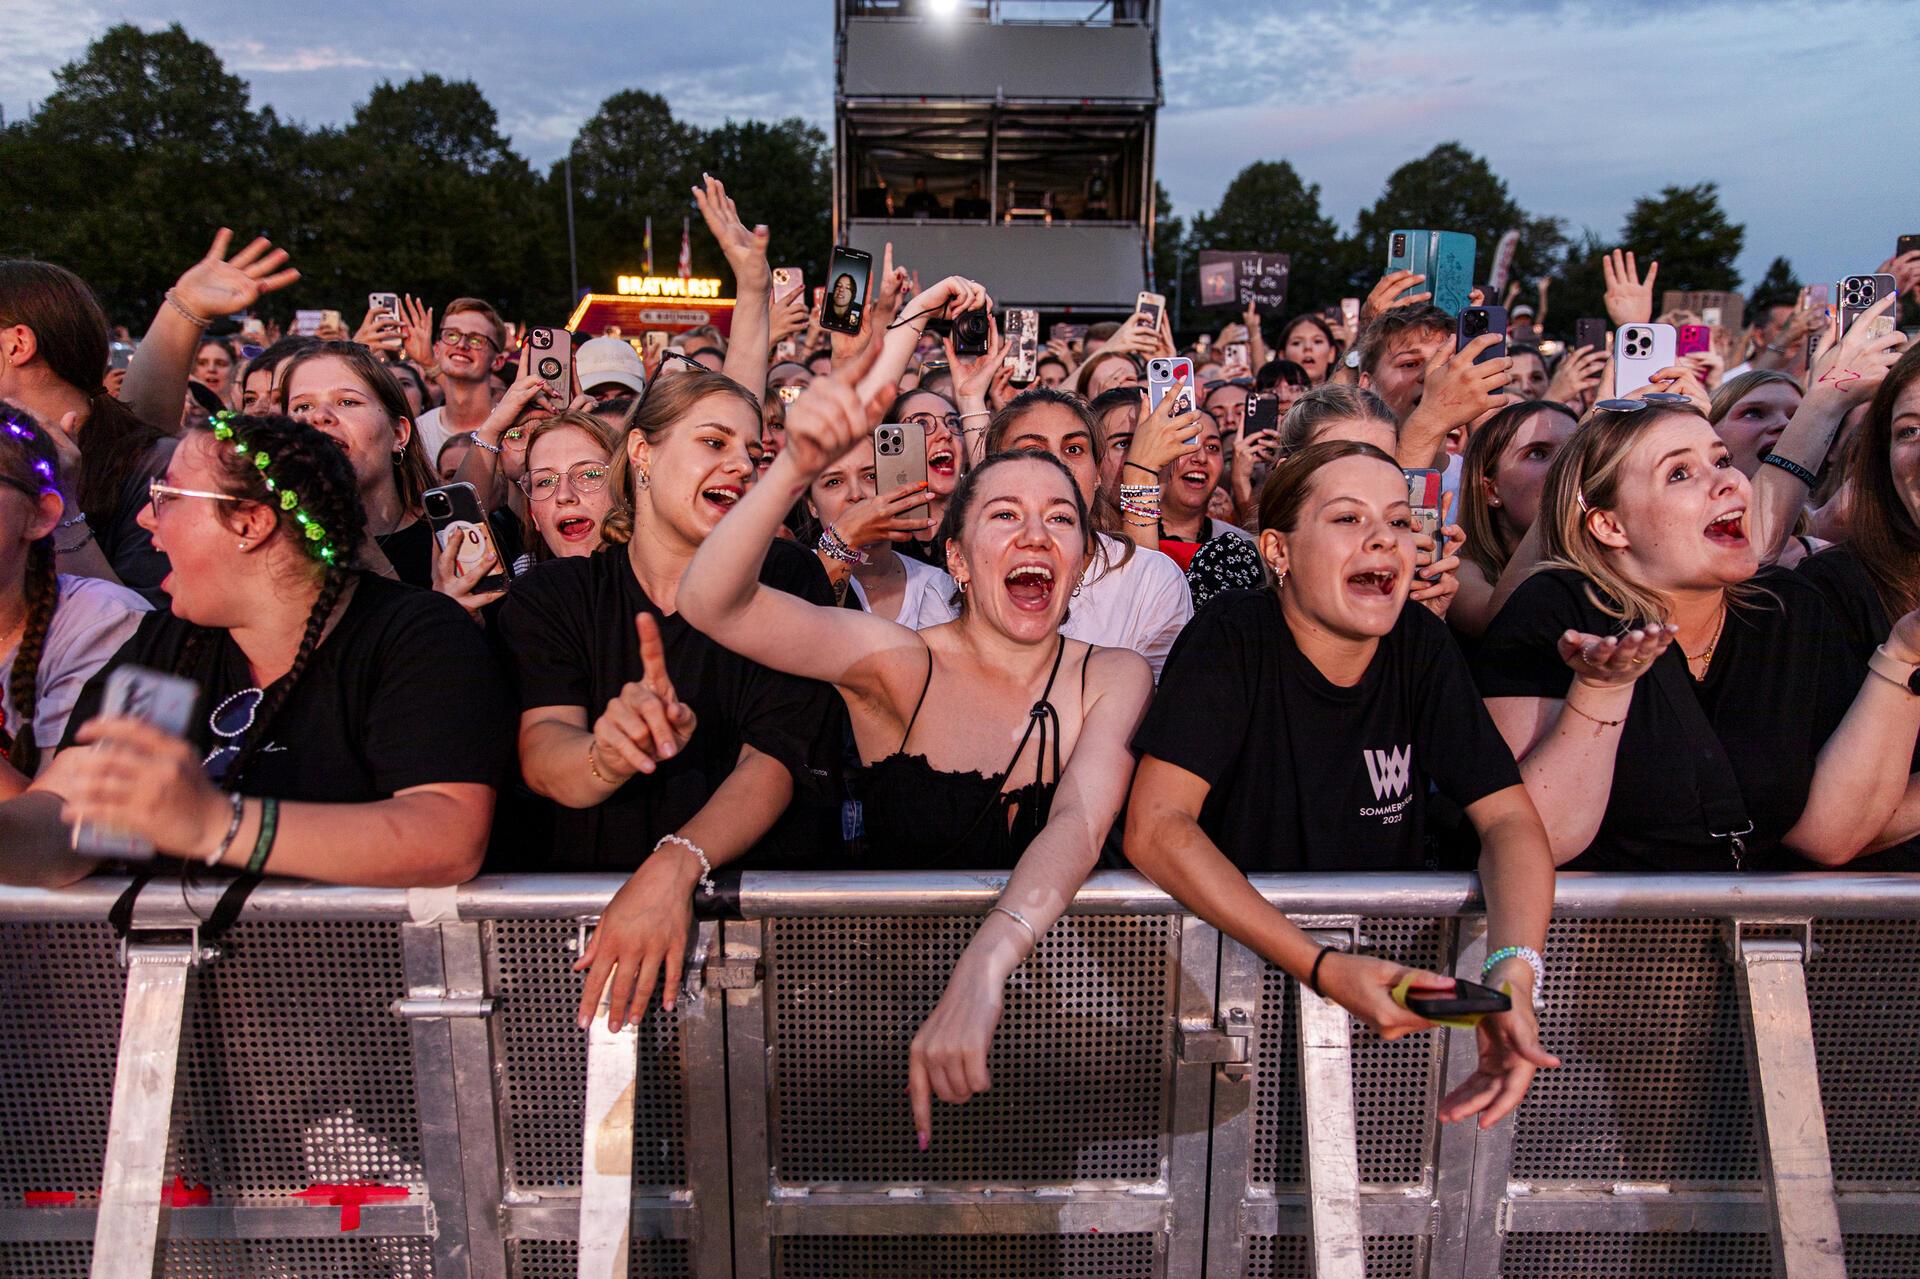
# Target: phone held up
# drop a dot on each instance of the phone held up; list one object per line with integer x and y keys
{"x": 1858, "y": 294}
{"x": 453, "y": 511}
{"x": 164, "y": 701}
{"x": 899, "y": 455}
{"x": 1263, "y": 418}
{"x": 1170, "y": 376}
{"x": 1023, "y": 345}
{"x": 1423, "y": 495}
{"x": 849, "y": 276}
{"x": 551, "y": 351}
{"x": 1152, "y": 306}
{"x": 788, "y": 283}
{"x": 1639, "y": 352}
{"x": 1590, "y": 333}
{"x": 1476, "y": 322}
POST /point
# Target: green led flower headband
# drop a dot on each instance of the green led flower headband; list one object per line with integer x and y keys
{"x": 316, "y": 541}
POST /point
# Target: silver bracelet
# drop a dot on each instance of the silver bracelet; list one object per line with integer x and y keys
{"x": 706, "y": 867}
{"x": 1534, "y": 962}
{"x": 233, "y": 828}
{"x": 494, "y": 449}
{"x": 185, "y": 314}
{"x": 1019, "y": 919}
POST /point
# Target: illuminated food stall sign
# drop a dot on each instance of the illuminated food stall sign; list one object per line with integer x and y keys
{"x": 667, "y": 286}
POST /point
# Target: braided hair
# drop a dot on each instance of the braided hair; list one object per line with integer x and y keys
{"x": 303, "y": 464}
{"x": 28, "y": 462}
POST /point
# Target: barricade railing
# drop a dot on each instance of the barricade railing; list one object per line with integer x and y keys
{"x": 393, "y": 1083}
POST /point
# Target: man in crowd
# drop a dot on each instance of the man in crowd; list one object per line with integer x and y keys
{"x": 463, "y": 355}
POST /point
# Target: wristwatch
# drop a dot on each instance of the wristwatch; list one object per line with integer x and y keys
{"x": 1893, "y": 670}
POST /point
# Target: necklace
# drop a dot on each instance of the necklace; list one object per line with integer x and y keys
{"x": 1705, "y": 655}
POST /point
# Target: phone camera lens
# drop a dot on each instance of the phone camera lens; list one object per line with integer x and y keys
{"x": 542, "y": 340}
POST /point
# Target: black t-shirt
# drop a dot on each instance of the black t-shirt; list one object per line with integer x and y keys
{"x": 411, "y": 550}
{"x": 401, "y": 693}
{"x": 1307, "y": 775}
{"x": 568, "y": 627}
{"x": 1842, "y": 581}
{"x": 1780, "y": 683}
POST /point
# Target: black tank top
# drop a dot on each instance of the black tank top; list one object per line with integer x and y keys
{"x": 920, "y": 818}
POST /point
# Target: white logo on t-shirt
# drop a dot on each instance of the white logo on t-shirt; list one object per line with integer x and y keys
{"x": 1389, "y": 770}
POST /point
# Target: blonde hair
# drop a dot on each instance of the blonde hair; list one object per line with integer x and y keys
{"x": 610, "y": 437}
{"x": 666, "y": 401}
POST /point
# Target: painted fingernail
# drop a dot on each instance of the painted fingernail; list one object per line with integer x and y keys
{"x": 921, "y": 1140}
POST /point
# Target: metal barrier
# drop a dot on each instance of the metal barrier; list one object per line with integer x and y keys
{"x": 362, "y": 1082}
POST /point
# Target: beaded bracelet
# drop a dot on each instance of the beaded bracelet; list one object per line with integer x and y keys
{"x": 494, "y": 449}
{"x": 185, "y": 314}
{"x": 835, "y": 547}
{"x": 1534, "y": 962}
{"x": 706, "y": 867}
{"x": 233, "y": 828}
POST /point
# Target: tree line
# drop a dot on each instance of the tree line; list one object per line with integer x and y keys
{"x": 147, "y": 143}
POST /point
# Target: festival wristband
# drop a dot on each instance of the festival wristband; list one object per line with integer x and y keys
{"x": 1792, "y": 468}
{"x": 269, "y": 827}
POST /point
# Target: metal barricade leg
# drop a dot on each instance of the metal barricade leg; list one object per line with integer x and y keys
{"x": 1770, "y": 974}
{"x": 1472, "y": 1167}
{"x": 1336, "y": 1248}
{"x": 606, "y": 1160}
{"x": 126, "y": 1233}
{"x": 747, "y": 1088}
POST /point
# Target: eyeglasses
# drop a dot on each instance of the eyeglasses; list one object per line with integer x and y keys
{"x": 230, "y": 721}
{"x": 472, "y": 341}
{"x": 514, "y": 437}
{"x": 687, "y": 360}
{"x": 582, "y": 477}
{"x": 158, "y": 495}
{"x": 928, "y": 421}
{"x": 1651, "y": 398}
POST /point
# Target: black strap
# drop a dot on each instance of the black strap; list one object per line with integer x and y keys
{"x": 925, "y": 684}
{"x": 225, "y": 911}
{"x": 1720, "y": 800}
{"x": 120, "y": 914}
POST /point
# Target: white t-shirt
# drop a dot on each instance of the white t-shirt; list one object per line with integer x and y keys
{"x": 924, "y": 601}
{"x": 434, "y": 432}
{"x": 1142, "y": 604}
{"x": 91, "y": 622}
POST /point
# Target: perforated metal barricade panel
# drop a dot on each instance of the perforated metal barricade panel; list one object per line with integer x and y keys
{"x": 60, "y": 1027}
{"x": 1883, "y": 1256}
{"x": 298, "y": 1259}
{"x": 1864, "y": 988}
{"x": 559, "y": 1259}
{"x": 1081, "y": 1063}
{"x": 66, "y": 1259}
{"x": 1642, "y": 1014}
{"x": 1285, "y": 1257}
{"x": 1394, "y": 1084}
{"x": 1643, "y": 1256}
{"x": 1103, "y": 1256}
{"x": 294, "y": 1069}
{"x": 545, "y": 1072}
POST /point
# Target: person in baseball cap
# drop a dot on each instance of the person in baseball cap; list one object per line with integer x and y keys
{"x": 608, "y": 367}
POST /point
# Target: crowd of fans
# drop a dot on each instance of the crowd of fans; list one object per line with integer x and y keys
{"x": 1661, "y": 628}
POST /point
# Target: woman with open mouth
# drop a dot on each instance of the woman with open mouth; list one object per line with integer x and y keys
{"x": 569, "y": 499}
{"x": 665, "y": 754}
{"x": 1623, "y": 673}
{"x": 990, "y": 742}
{"x": 860, "y": 528}
{"x": 1303, "y": 727}
{"x": 935, "y": 415}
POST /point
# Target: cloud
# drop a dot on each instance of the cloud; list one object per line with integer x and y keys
{"x": 246, "y": 56}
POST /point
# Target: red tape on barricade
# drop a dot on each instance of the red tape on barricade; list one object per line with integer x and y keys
{"x": 50, "y": 1198}
{"x": 349, "y": 1196}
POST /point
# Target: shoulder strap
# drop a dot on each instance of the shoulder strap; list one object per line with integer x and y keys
{"x": 924, "y": 686}
{"x": 1725, "y": 810}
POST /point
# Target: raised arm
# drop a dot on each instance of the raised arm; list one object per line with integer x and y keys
{"x": 948, "y": 1058}
{"x": 211, "y": 288}
{"x": 746, "y": 252}
{"x": 1458, "y": 394}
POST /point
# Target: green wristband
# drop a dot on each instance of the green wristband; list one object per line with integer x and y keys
{"x": 269, "y": 827}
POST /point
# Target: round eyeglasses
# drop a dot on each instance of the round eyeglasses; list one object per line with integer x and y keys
{"x": 581, "y": 477}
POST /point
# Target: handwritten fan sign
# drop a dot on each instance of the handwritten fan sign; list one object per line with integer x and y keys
{"x": 1234, "y": 278}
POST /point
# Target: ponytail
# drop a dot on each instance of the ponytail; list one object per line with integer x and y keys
{"x": 23, "y": 684}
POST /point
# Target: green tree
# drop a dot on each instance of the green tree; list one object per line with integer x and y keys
{"x": 631, "y": 160}
{"x": 1451, "y": 189}
{"x": 1267, "y": 208}
{"x": 780, "y": 174}
{"x": 1778, "y": 287}
{"x": 1687, "y": 233}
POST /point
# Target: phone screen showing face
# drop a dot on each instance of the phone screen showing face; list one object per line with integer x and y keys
{"x": 848, "y": 277}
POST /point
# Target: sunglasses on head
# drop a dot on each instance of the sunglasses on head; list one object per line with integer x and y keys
{"x": 1651, "y": 398}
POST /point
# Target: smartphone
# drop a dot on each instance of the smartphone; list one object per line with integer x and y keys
{"x": 1691, "y": 339}
{"x": 1450, "y": 270}
{"x": 1907, "y": 244}
{"x": 162, "y": 700}
{"x": 1263, "y": 413}
{"x": 787, "y": 349}
{"x": 120, "y": 355}
{"x": 1478, "y": 321}
{"x": 453, "y": 510}
{"x": 1639, "y": 352}
{"x": 1407, "y": 251}
{"x": 789, "y": 393}
{"x": 1234, "y": 353}
{"x": 899, "y": 456}
{"x": 552, "y": 353}
{"x": 1170, "y": 376}
{"x": 1350, "y": 313}
{"x": 1467, "y": 999}
{"x": 1068, "y": 333}
{"x": 1591, "y": 333}
{"x": 1023, "y": 344}
{"x": 388, "y": 302}
{"x": 1151, "y": 305}
{"x": 1423, "y": 495}
{"x": 1858, "y": 293}
{"x": 849, "y": 275}
{"x": 653, "y": 343}
{"x": 788, "y": 281}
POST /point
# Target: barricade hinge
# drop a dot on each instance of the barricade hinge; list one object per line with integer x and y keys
{"x": 733, "y": 974}
{"x": 167, "y": 946}
{"x": 1226, "y": 1043}
{"x": 414, "y": 1007}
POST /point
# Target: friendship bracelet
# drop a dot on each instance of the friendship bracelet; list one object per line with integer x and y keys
{"x": 269, "y": 827}
{"x": 239, "y": 802}
{"x": 835, "y": 547}
{"x": 706, "y": 867}
{"x": 494, "y": 449}
{"x": 1792, "y": 468}
{"x": 68, "y": 550}
{"x": 1149, "y": 470}
{"x": 1019, "y": 919}
{"x": 185, "y": 314}
{"x": 1534, "y": 962}
{"x": 594, "y": 768}
{"x": 1604, "y": 723}
{"x": 977, "y": 413}
{"x": 1313, "y": 977}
